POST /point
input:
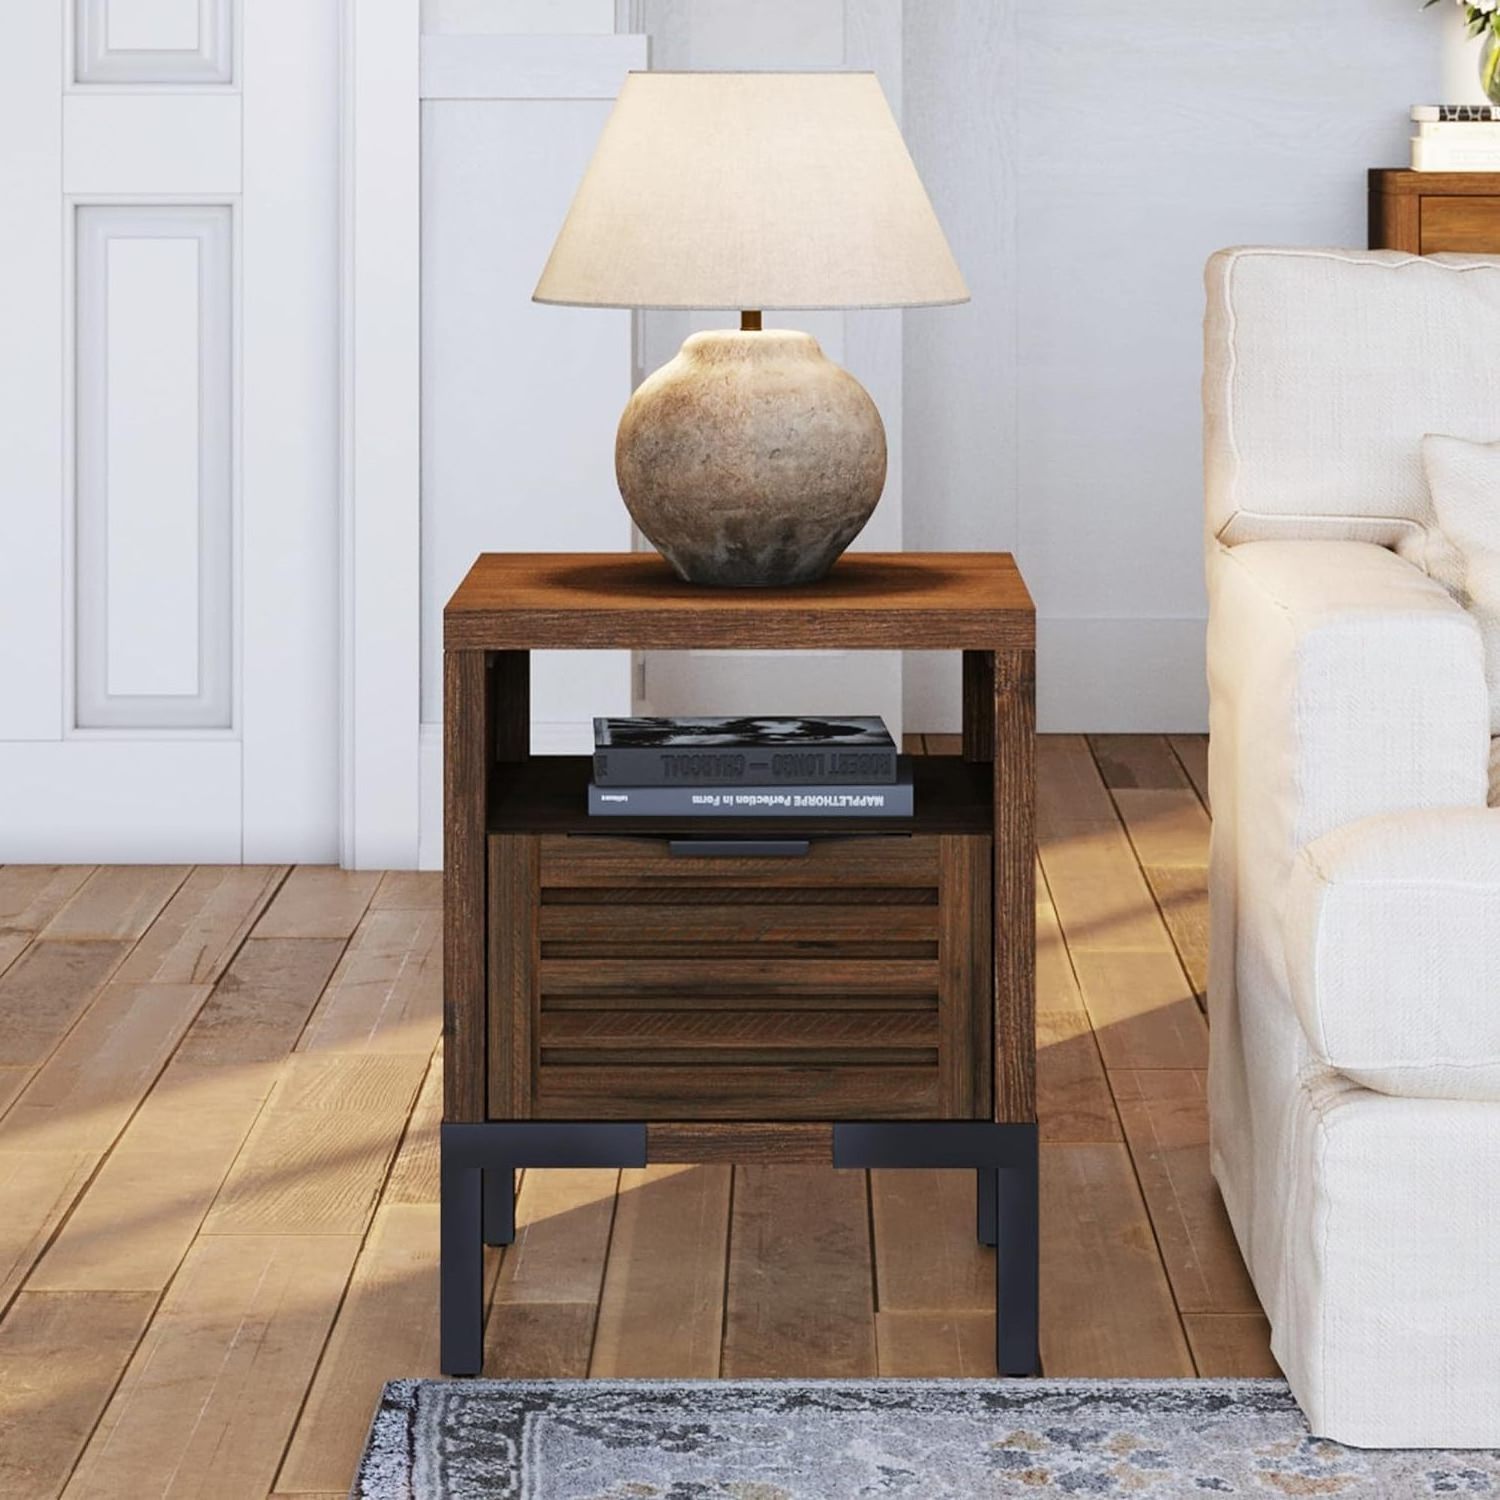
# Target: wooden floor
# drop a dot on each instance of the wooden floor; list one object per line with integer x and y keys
{"x": 218, "y": 1187}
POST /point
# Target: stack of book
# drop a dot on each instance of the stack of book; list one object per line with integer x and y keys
{"x": 1456, "y": 138}
{"x": 748, "y": 767}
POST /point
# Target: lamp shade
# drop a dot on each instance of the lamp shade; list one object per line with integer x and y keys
{"x": 751, "y": 190}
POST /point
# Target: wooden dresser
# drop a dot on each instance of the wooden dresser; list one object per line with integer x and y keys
{"x": 625, "y": 991}
{"x": 1428, "y": 212}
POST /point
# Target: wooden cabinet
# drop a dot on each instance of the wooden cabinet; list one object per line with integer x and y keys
{"x": 634, "y": 990}
{"x": 1429, "y": 212}
{"x": 631, "y": 979}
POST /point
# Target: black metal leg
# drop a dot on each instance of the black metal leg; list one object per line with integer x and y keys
{"x": 985, "y": 1207}
{"x": 462, "y": 1276}
{"x": 499, "y": 1205}
{"x": 479, "y": 1159}
{"x": 1017, "y": 1351}
{"x": 1004, "y": 1157}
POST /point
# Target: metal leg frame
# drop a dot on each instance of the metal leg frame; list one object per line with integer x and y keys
{"x": 479, "y": 1163}
{"x": 1005, "y": 1157}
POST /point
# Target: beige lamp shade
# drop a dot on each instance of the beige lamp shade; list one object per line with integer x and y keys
{"x": 751, "y": 190}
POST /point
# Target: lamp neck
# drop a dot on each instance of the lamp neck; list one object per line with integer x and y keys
{"x": 750, "y": 320}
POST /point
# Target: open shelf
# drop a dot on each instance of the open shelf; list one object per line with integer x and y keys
{"x": 549, "y": 794}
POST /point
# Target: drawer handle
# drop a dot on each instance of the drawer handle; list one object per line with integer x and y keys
{"x": 740, "y": 848}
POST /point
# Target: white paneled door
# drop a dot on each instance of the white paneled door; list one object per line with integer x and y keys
{"x": 169, "y": 395}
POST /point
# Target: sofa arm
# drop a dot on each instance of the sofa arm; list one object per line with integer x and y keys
{"x": 1393, "y": 951}
{"x": 1344, "y": 683}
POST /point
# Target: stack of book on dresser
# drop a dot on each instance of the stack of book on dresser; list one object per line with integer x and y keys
{"x": 1455, "y": 138}
{"x": 758, "y": 767}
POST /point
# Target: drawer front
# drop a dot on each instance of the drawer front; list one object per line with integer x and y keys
{"x": 630, "y": 983}
{"x": 1468, "y": 225}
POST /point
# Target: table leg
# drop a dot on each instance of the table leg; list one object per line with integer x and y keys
{"x": 985, "y": 1227}
{"x": 1017, "y": 1265}
{"x": 462, "y": 1274}
{"x": 499, "y": 1206}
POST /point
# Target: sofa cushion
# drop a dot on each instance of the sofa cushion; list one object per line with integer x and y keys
{"x": 1323, "y": 370}
{"x": 1393, "y": 951}
{"x": 1464, "y": 479}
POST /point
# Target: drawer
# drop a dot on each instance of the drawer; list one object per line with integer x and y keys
{"x": 627, "y": 982}
{"x": 1469, "y": 225}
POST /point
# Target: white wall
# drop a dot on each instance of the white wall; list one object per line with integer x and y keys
{"x": 1085, "y": 159}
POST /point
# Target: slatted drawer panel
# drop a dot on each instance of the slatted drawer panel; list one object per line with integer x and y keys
{"x": 628, "y": 983}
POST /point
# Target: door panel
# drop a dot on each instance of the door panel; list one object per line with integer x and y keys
{"x": 168, "y": 546}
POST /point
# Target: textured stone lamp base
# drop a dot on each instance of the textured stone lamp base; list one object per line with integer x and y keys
{"x": 751, "y": 459}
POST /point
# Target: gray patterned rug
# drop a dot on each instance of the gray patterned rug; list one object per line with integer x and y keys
{"x": 824, "y": 1440}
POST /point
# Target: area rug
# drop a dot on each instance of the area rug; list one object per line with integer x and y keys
{"x": 824, "y": 1440}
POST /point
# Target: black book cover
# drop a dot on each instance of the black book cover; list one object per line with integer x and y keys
{"x": 760, "y": 751}
{"x": 886, "y": 800}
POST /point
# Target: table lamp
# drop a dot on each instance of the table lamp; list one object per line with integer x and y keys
{"x": 751, "y": 458}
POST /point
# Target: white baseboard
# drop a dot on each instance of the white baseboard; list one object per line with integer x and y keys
{"x": 120, "y": 801}
{"x": 1095, "y": 676}
{"x": 548, "y": 737}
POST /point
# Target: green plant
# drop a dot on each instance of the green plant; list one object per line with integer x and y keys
{"x": 1480, "y": 15}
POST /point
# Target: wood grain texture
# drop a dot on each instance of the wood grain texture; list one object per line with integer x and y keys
{"x": 30, "y": 896}
{"x": 409, "y": 890}
{"x": 810, "y": 1089}
{"x": 61, "y": 1354}
{"x": 202, "y": 926}
{"x": 1231, "y": 1346}
{"x": 747, "y": 1142}
{"x": 546, "y": 1300}
{"x": 386, "y": 995}
{"x": 260, "y": 1006}
{"x": 468, "y": 739}
{"x": 1191, "y": 751}
{"x": 1106, "y": 1304}
{"x": 926, "y": 1256}
{"x": 514, "y": 969}
{"x": 1074, "y": 1102}
{"x": 1014, "y": 885}
{"x": 319, "y": 902}
{"x": 661, "y": 1310}
{"x": 1460, "y": 224}
{"x": 316, "y": 1160}
{"x": 966, "y": 1015}
{"x": 799, "y": 1299}
{"x": 1165, "y": 1115}
{"x": 212, "y": 1392}
{"x": 137, "y": 1218}
{"x": 415, "y": 1176}
{"x": 387, "y": 1329}
{"x": 45, "y": 991}
{"x": 910, "y": 600}
{"x": 83, "y": 1095}
{"x": 116, "y": 901}
{"x": 1136, "y": 760}
{"x": 37, "y": 1189}
{"x": 580, "y": 862}
{"x": 1144, "y": 1010}
{"x": 945, "y": 1345}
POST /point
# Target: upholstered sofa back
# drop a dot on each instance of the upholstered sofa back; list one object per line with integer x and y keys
{"x": 1323, "y": 370}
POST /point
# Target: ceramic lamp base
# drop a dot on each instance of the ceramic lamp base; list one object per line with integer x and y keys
{"x": 751, "y": 459}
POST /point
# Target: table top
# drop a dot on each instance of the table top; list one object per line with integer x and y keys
{"x": 612, "y": 600}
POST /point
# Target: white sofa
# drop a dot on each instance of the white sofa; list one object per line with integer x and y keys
{"x": 1354, "y": 998}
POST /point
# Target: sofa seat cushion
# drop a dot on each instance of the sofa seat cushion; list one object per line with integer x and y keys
{"x": 1393, "y": 951}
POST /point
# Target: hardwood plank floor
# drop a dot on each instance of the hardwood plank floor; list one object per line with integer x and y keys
{"x": 219, "y": 1098}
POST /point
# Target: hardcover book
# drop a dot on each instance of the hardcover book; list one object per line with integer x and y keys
{"x": 886, "y": 800}
{"x": 729, "y": 752}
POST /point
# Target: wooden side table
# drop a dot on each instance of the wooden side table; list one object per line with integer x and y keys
{"x": 1428, "y": 212}
{"x": 626, "y": 991}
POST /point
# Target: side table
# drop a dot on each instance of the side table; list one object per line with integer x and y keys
{"x": 801, "y": 989}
